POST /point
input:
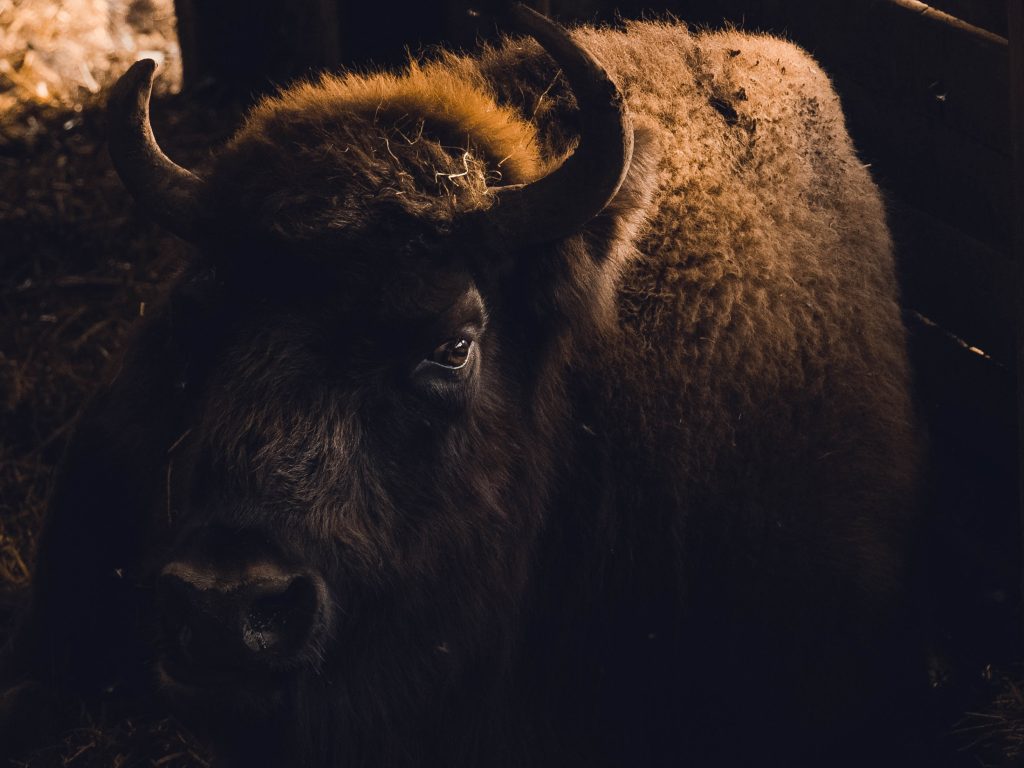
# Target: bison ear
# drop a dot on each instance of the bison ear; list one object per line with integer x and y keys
{"x": 614, "y": 230}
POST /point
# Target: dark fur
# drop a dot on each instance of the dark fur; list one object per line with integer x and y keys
{"x": 664, "y": 520}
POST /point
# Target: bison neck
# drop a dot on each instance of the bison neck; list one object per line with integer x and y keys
{"x": 604, "y": 608}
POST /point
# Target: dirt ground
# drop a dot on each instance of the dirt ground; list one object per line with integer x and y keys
{"x": 78, "y": 265}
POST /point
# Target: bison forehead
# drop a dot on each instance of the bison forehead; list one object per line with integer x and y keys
{"x": 344, "y": 154}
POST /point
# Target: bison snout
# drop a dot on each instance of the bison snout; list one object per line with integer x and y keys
{"x": 218, "y": 624}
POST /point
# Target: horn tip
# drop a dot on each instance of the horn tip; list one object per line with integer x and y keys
{"x": 523, "y": 15}
{"x": 139, "y": 74}
{"x": 130, "y": 94}
{"x": 505, "y": 12}
{"x": 143, "y": 69}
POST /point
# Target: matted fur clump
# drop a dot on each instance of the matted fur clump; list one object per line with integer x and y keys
{"x": 346, "y": 153}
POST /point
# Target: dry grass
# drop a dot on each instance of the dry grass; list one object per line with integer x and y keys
{"x": 61, "y": 53}
{"x": 58, "y": 329}
{"x": 77, "y": 264}
{"x": 996, "y": 733}
{"x": 125, "y": 743}
{"x": 77, "y": 261}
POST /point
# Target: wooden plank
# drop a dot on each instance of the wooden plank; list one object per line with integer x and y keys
{"x": 969, "y": 492}
{"x": 963, "y": 400}
{"x": 956, "y": 281}
{"x": 940, "y": 16}
{"x": 1015, "y": 25}
{"x": 989, "y": 14}
{"x": 954, "y": 74}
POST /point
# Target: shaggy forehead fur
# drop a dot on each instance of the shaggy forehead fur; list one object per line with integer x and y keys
{"x": 352, "y": 153}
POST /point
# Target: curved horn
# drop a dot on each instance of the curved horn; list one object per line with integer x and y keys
{"x": 562, "y": 202}
{"x": 170, "y": 193}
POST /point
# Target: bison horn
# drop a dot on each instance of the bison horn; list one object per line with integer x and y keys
{"x": 562, "y": 202}
{"x": 169, "y": 192}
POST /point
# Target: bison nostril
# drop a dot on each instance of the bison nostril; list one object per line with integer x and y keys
{"x": 220, "y": 624}
{"x": 281, "y": 622}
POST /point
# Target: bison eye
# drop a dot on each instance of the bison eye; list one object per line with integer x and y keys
{"x": 447, "y": 375}
{"x": 452, "y": 354}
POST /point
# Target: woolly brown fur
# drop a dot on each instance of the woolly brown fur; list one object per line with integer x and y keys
{"x": 428, "y": 140}
{"x": 663, "y": 516}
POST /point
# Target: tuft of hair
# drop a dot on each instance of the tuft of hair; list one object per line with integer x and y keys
{"x": 345, "y": 153}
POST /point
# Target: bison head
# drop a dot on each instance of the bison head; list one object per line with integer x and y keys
{"x": 377, "y": 411}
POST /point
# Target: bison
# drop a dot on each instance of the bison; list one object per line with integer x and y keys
{"x": 542, "y": 406}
